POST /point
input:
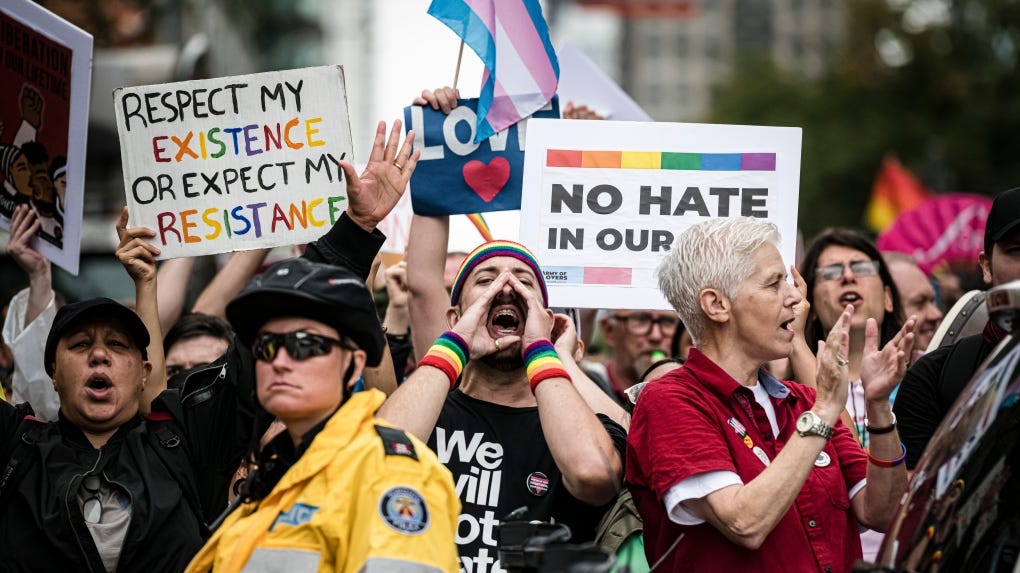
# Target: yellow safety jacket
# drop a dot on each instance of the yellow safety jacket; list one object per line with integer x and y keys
{"x": 364, "y": 497}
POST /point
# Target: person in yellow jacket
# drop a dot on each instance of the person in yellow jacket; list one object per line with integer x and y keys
{"x": 339, "y": 490}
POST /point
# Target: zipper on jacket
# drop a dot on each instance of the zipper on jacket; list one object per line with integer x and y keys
{"x": 76, "y": 479}
{"x": 186, "y": 398}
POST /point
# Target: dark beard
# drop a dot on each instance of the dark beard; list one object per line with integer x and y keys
{"x": 506, "y": 360}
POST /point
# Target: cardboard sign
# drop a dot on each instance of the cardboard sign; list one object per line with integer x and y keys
{"x": 236, "y": 163}
{"x": 45, "y": 77}
{"x": 455, "y": 175}
{"x": 606, "y": 200}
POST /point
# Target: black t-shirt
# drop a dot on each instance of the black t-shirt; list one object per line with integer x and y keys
{"x": 500, "y": 461}
{"x": 926, "y": 394}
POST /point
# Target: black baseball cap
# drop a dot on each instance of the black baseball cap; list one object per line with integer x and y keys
{"x": 1003, "y": 218}
{"x": 298, "y": 287}
{"x": 71, "y": 314}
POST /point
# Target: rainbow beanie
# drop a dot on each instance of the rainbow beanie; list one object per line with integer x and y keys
{"x": 497, "y": 249}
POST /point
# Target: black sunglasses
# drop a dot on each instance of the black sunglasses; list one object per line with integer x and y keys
{"x": 300, "y": 345}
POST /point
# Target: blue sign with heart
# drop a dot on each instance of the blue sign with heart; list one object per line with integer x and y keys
{"x": 456, "y": 175}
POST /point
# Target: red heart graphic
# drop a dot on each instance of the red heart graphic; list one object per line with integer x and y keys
{"x": 487, "y": 180}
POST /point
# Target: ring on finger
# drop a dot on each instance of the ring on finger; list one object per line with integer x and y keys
{"x": 497, "y": 345}
{"x": 398, "y": 166}
{"x": 842, "y": 361}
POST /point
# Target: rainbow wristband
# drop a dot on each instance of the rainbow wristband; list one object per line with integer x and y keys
{"x": 543, "y": 363}
{"x": 448, "y": 353}
{"x": 889, "y": 463}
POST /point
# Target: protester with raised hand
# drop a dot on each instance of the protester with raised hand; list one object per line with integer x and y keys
{"x": 843, "y": 267}
{"x": 165, "y": 474}
{"x": 397, "y": 320}
{"x": 758, "y": 475}
{"x": 138, "y": 257}
{"x": 502, "y": 382}
{"x": 29, "y": 318}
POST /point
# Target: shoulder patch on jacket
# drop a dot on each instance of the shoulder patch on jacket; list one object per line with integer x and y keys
{"x": 396, "y": 443}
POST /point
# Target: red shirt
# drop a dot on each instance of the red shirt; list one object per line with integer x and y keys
{"x": 698, "y": 419}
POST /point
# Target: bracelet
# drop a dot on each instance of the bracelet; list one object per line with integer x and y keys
{"x": 448, "y": 353}
{"x": 888, "y": 463}
{"x": 543, "y": 363}
{"x": 883, "y": 429}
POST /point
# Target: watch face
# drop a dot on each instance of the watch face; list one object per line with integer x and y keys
{"x": 804, "y": 422}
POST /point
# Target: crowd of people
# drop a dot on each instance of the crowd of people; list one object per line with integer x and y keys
{"x": 288, "y": 422}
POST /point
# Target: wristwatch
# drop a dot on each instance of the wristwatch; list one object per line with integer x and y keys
{"x": 809, "y": 424}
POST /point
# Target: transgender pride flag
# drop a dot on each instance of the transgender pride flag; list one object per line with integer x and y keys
{"x": 512, "y": 39}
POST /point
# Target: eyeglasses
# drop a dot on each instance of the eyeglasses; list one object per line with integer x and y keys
{"x": 92, "y": 509}
{"x": 858, "y": 268}
{"x": 641, "y": 324}
{"x": 300, "y": 345}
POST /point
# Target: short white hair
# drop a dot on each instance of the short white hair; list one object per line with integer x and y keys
{"x": 715, "y": 254}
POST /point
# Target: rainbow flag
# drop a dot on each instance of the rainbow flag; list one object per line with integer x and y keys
{"x": 896, "y": 190}
{"x": 512, "y": 39}
{"x": 481, "y": 225}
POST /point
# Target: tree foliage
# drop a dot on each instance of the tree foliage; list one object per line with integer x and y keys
{"x": 945, "y": 99}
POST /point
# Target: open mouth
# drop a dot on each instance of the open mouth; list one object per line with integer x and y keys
{"x": 850, "y": 298}
{"x": 98, "y": 386}
{"x": 505, "y": 320}
{"x": 787, "y": 325}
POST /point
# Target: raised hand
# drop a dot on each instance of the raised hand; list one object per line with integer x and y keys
{"x": 473, "y": 324}
{"x": 396, "y": 285}
{"x": 374, "y": 194}
{"x": 31, "y": 106}
{"x": 24, "y": 226}
{"x": 564, "y": 337}
{"x": 832, "y": 377}
{"x": 137, "y": 255}
{"x": 882, "y": 369}
{"x": 802, "y": 309}
{"x": 581, "y": 111}
{"x": 444, "y": 98}
{"x": 539, "y": 323}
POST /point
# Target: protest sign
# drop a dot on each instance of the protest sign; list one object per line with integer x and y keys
{"x": 584, "y": 83}
{"x": 606, "y": 200}
{"x": 45, "y": 77}
{"x": 455, "y": 175}
{"x": 235, "y": 163}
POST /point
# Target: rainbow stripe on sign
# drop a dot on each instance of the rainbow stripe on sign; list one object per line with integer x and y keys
{"x": 661, "y": 160}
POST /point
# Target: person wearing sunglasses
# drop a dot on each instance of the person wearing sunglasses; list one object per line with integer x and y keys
{"x": 339, "y": 489}
{"x": 130, "y": 474}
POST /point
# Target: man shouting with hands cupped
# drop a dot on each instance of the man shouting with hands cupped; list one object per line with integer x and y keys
{"x": 518, "y": 430}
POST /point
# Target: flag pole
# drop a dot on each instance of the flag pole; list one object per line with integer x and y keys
{"x": 456, "y": 73}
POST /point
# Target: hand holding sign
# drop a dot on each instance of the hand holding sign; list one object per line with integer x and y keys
{"x": 458, "y": 175}
{"x": 373, "y": 195}
{"x": 134, "y": 252}
{"x": 444, "y": 98}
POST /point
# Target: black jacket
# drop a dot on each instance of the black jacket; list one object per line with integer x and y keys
{"x": 176, "y": 463}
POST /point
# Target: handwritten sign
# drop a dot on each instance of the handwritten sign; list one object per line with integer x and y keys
{"x": 236, "y": 163}
{"x": 606, "y": 200}
{"x": 456, "y": 175}
{"x": 45, "y": 74}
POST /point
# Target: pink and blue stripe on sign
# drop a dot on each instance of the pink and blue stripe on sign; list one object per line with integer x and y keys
{"x": 512, "y": 39}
